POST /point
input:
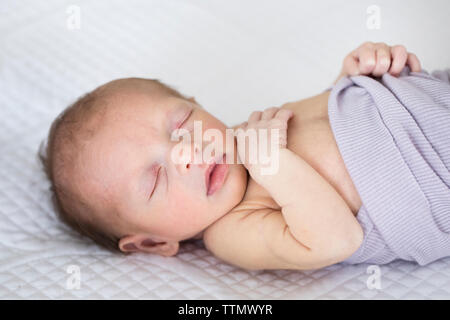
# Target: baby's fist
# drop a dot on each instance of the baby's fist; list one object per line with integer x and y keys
{"x": 377, "y": 59}
{"x": 263, "y": 129}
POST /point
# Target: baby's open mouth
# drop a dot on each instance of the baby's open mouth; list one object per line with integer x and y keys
{"x": 215, "y": 176}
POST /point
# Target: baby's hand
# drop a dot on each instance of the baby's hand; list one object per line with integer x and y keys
{"x": 376, "y": 59}
{"x": 271, "y": 118}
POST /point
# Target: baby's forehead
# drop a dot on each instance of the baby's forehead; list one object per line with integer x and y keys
{"x": 145, "y": 110}
{"x": 137, "y": 109}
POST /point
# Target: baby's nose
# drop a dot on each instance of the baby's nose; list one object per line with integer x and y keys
{"x": 190, "y": 156}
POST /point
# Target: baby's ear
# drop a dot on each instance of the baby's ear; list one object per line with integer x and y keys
{"x": 146, "y": 244}
{"x": 166, "y": 249}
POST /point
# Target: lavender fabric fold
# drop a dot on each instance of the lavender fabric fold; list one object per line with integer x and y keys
{"x": 394, "y": 136}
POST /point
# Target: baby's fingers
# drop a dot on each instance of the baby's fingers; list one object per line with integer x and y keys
{"x": 399, "y": 58}
{"x": 255, "y": 116}
{"x": 241, "y": 126}
{"x": 350, "y": 65}
{"x": 269, "y": 113}
{"x": 414, "y": 63}
{"x": 383, "y": 60}
{"x": 284, "y": 114}
{"x": 367, "y": 58}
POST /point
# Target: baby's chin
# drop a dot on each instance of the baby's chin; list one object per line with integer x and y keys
{"x": 235, "y": 187}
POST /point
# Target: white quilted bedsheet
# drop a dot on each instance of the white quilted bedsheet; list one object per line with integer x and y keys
{"x": 234, "y": 57}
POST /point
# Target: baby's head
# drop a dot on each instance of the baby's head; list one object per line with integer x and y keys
{"x": 115, "y": 178}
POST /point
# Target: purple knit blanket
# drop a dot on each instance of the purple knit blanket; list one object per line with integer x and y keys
{"x": 394, "y": 137}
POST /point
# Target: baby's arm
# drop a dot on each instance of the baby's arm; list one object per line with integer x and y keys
{"x": 376, "y": 59}
{"x": 315, "y": 213}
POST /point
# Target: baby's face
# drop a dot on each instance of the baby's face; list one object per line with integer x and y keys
{"x": 130, "y": 161}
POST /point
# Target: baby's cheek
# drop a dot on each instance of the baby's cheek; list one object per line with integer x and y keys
{"x": 182, "y": 203}
{"x": 188, "y": 209}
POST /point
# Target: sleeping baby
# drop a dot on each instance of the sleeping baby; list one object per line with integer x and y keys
{"x": 358, "y": 173}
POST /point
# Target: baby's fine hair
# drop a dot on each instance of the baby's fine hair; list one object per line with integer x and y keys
{"x": 66, "y": 138}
